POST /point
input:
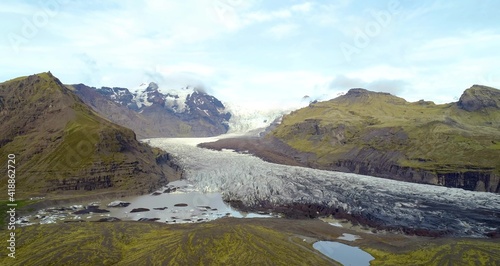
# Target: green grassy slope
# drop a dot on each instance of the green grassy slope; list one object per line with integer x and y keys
{"x": 449, "y": 252}
{"x": 135, "y": 243}
{"x": 229, "y": 242}
{"x": 62, "y": 146}
{"x": 385, "y": 130}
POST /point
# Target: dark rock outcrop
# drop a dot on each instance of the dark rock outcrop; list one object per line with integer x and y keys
{"x": 139, "y": 210}
{"x": 91, "y": 210}
{"x": 479, "y": 97}
{"x": 109, "y": 219}
{"x": 148, "y": 219}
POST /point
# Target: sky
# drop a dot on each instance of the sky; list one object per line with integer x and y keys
{"x": 257, "y": 53}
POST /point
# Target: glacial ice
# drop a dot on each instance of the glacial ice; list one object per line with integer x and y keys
{"x": 393, "y": 203}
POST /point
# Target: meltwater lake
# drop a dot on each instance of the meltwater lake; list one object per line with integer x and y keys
{"x": 178, "y": 202}
{"x": 343, "y": 253}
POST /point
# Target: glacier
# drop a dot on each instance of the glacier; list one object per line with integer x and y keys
{"x": 393, "y": 204}
{"x": 245, "y": 119}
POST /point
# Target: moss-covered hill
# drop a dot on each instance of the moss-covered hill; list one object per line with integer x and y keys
{"x": 62, "y": 146}
{"x": 135, "y": 243}
{"x": 230, "y": 241}
{"x": 455, "y": 144}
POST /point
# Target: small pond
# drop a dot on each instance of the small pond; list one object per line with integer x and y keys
{"x": 344, "y": 254}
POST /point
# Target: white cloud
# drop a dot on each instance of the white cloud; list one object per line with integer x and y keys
{"x": 304, "y": 7}
{"x": 329, "y": 14}
{"x": 282, "y": 88}
{"x": 225, "y": 45}
{"x": 377, "y": 72}
{"x": 454, "y": 47}
{"x": 263, "y": 16}
{"x": 344, "y": 83}
{"x": 280, "y": 14}
{"x": 281, "y": 31}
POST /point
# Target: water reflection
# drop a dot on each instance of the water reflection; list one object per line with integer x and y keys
{"x": 344, "y": 254}
{"x": 349, "y": 237}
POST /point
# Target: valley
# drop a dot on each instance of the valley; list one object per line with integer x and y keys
{"x": 231, "y": 132}
{"x": 253, "y": 184}
{"x": 84, "y": 180}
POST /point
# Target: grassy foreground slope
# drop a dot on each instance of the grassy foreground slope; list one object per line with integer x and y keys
{"x": 135, "y": 243}
{"x": 63, "y": 147}
{"x": 455, "y": 144}
{"x": 448, "y": 252}
{"x": 230, "y": 241}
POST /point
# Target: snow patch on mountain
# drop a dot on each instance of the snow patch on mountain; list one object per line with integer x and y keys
{"x": 141, "y": 99}
{"x": 245, "y": 117}
{"x": 173, "y": 98}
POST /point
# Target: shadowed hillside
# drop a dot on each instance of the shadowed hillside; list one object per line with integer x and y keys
{"x": 63, "y": 147}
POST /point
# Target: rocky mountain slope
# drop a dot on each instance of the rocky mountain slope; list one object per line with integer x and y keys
{"x": 63, "y": 146}
{"x": 454, "y": 145}
{"x": 152, "y": 112}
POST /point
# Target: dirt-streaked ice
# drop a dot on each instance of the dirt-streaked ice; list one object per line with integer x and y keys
{"x": 391, "y": 203}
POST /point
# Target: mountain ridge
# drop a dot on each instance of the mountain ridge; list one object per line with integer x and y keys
{"x": 479, "y": 97}
{"x": 151, "y": 112}
{"x": 63, "y": 146}
{"x": 384, "y": 135}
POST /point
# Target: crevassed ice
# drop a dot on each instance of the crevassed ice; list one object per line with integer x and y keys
{"x": 393, "y": 203}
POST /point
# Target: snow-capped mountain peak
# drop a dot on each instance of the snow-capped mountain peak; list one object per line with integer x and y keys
{"x": 171, "y": 111}
{"x": 150, "y": 93}
{"x": 186, "y": 101}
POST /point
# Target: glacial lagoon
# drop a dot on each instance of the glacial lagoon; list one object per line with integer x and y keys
{"x": 178, "y": 202}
